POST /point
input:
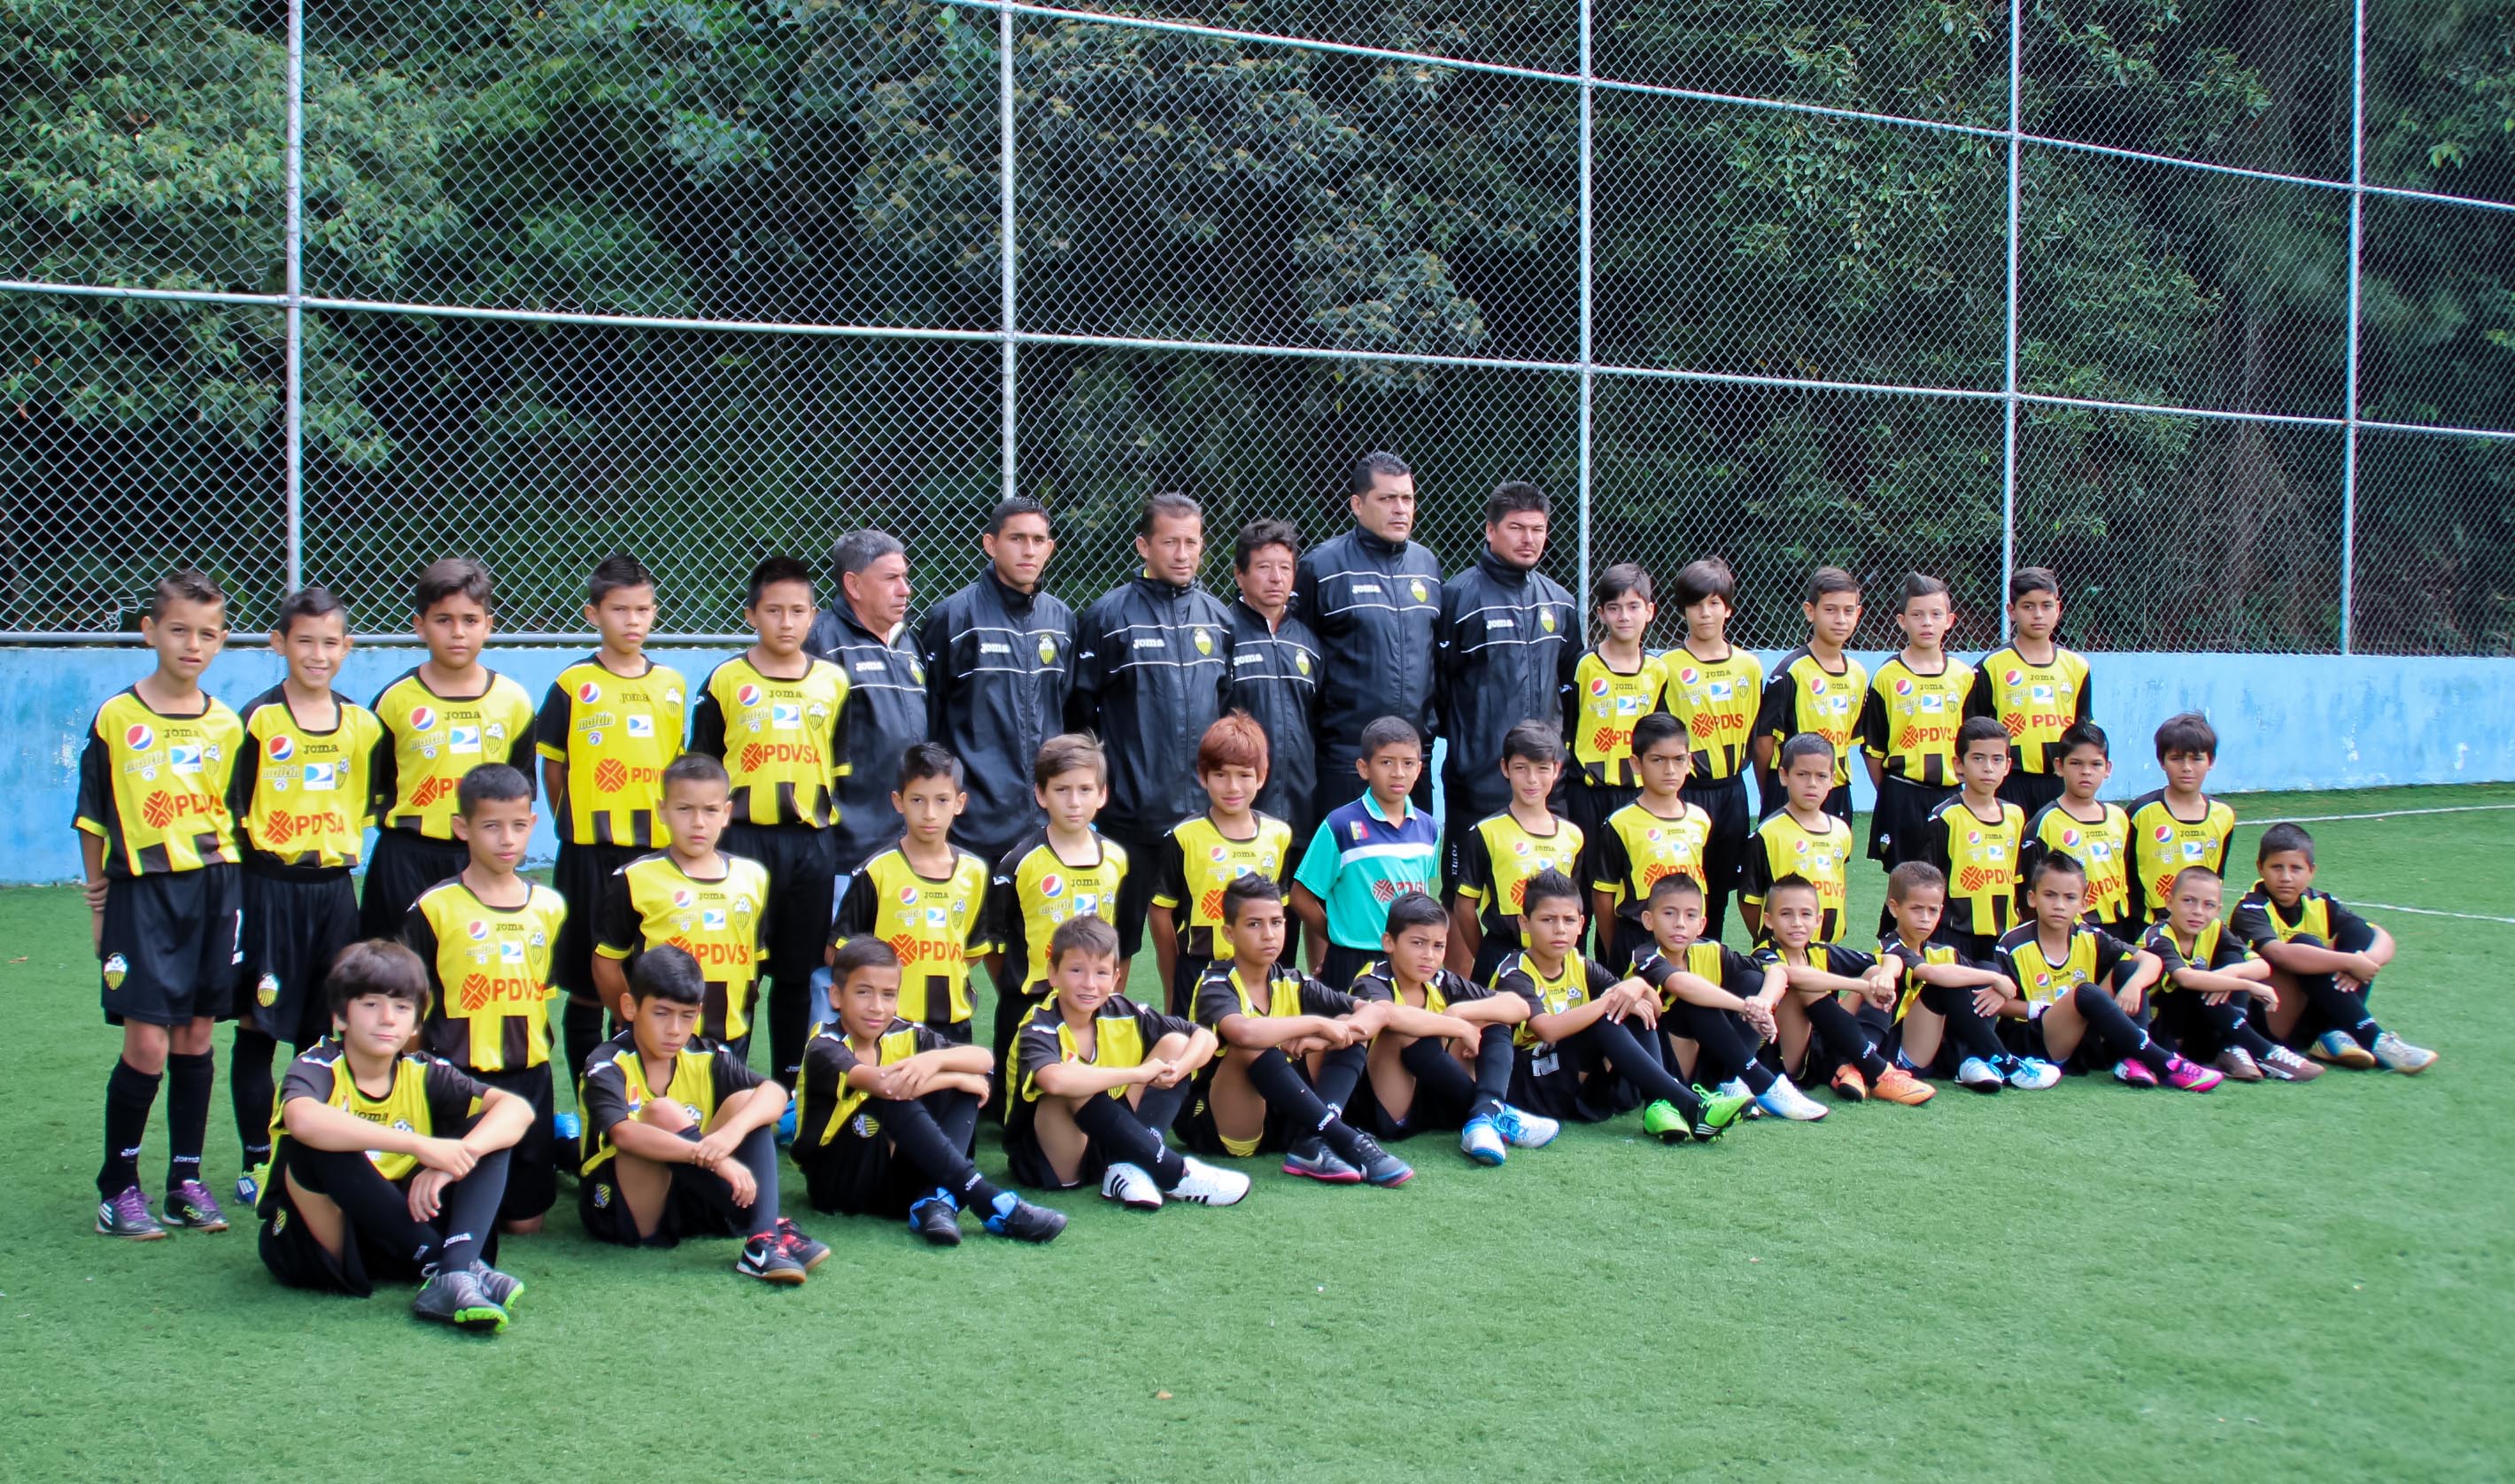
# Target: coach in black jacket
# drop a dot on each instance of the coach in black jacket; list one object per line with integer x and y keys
{"x": 1152, "y": 663}
{"x": 1509, "y": 644}
{"x": 1371, "y": 596}
{"x": 998, "y": 657}
{"x": 1275, "y": 674}
{"x": 860, "y": 633}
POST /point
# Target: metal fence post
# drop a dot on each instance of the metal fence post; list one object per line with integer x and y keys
{"x": 2349, "y": 391}
{"x": 2008, "y": 341}
{"x": 1589, "y": 362}
{"x": 1004, "y": 270}
{"x": 293, "y": 395}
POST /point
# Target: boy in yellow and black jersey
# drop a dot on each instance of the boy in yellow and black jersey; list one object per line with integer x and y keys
{"x": 1066, "y": 869}
{"x": 2214, "y": 989}
{"x": 1502, "y": 852}
{"x": 485, "y": 937}
{"x": 1804, "y": 839}
{"x": 2324, "y": 960}
{"x": 2081, "y": 825}
{"x": 2078, "y": 989}
{"x": 1716, "y": 1004}
{"x": 441, "y": 720}
{"x": 1614, "y": 685}
{"x": 1815, "y": 689}
{"x": 692, "y": 897}
{"x": 158, "y": 843}
{"x": 2178, "y": 825}
{"x": 774, "y": 716}
{"x": 1657, "y": 836}
{"x": 611, "y": 722}
{"x": 2033, "y": 688}
{"x": 1206, "y": 852}
{"x": 1443, "y": 1082}
{"x": 1943, "y": 1018}
{"x": 1973, "y": 840}
{"x": 1715, "y": 689}
{"x": 299, "y": 795}
{"x": 1909, "y": 720}
{"x": 1828, "y": 1016}
{"x": 924, "y": 897}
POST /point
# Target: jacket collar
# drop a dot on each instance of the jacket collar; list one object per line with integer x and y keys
{"x": 1015, "y": 602}
{"x": 1378, "y": 545}
{"x": 1490, "y": 562}
{"x": 1167, "y": 592}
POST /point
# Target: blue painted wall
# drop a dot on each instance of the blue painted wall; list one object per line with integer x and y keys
{"x": 2284, "y": 722}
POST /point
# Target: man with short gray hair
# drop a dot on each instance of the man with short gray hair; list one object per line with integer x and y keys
{"x": 886, "y": 710}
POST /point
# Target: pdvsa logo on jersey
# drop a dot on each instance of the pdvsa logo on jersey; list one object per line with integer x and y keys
{"x": 1051, "y": 885}
{"x": 422, "y": 719}
{"x": 137, "y": 737}
{"x": 282, "y": 749}
{"x": 746, "y": 696}
{"x": 589, "y": 693}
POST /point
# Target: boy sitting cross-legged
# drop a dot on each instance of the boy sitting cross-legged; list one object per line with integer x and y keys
{"x": 887, "y": 1110}
{"x": 1449, "y": 1082}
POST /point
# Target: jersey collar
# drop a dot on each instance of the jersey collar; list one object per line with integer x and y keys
{"x": 1371, "y": 805}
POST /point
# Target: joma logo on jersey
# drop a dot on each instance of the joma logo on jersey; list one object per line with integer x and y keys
{"x": 730, "y": 955}
{"x": 162, "y": 807}
{"x": 760, "y": 755}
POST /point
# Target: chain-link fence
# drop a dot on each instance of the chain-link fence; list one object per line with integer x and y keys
{"x": 2207, "y": 304}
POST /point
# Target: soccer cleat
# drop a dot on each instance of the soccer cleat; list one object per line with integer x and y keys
{"x": 1380, "y": 1167}
{"x": 453, "y": 1295}
{"x": 2239, "y": 1065}
{"x": 2395, "y": 1055}
{"x": 1481, "y": 1141}
{"x": 1738, "y": 1085}
{"x": 937, "y": 1218}
{"x": 248, "y": 1191}
{"x": 191, "y": 1206}
{"x": 2341, "y": 1048}
{"x": 1850, "y": 1085}
{"x": 2285, "y": 1065}
{"x": 1522, "y": 1130}
{"x": 1662, "y": 1121}
{"x": 1205, "y": 1185}
{"x": 2190, "y": 1076}
{"x": 1897, "y": 1085}
{"x": 800, "y": 1248}
{"x": 126, "y": 1215}
{"x": 2133, "y": 1073}
{"x": 1980, "y": 1076}
{"x": 2029, "y": 1074}
{"x": 1720, "y": 1111}
{"x": 1023, "y": 1221}
{"x": 567, "y": 1128}
{"x": 765, "y": 1259}
{"x": 785, "y": 1127}
{"x": 1783, "y": 1100}
{"x": 500, "y": 1288}
{"x": 1312, "y": 1159}
{"x": 1130, "y": 1187}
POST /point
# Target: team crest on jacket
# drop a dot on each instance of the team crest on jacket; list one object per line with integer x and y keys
{"x": 266, "y": 991}
{"x": 1204, "y": 643}
{"x": 1301, "y": 661}
{"x": 1546, "y": 619}
{"x": 1046, "y": 650}
{"x": 1421, "y": 593}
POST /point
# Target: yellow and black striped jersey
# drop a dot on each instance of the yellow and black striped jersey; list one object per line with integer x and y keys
{"x": 1122, "y": 1034}
{"x": 1600, "y": 713}
{"x": 430, "y": 741}
{"x": 299, "y": 793}
{"x": 2036, "y": 703}
{"x": 937, "y": 927}
{"x": 1980, "y": 858}
{"x": 1909, "y": 957}
{"x": 2090, "y": 958}
{"x": 1198, "y": 860}
{"x": 1035, "y": 890}
{"x": 2260, "y": 919}
{"x": 720, "y": 920}
{"x": 826, "y": 1100}
{"x": 1496, "y": 860}
{"x": 1909, "y": 720}
{"x": 154, "y": 787}
{"x": 1717, "y": 700}
{"x": 491, "y": 970}
{"x": 1576, "y": 981}
{"x": 1638, "y": 848}
{"x": 2213, "y": 947}
{"x": 2163, "y": 842}
{"x": 2101, "y": 845}
{"x": 614, "y": 733}
{"x": 1804, "y": 695}
{"x": 1783, "y": 846}
{"x": 779, "y": 739}
{"x": 1226, "y": 992}
{"x": 614, "y": 1088}
{"x": 1377, "y": 980}
{"x": 430, "y": 1097}
{"x": 1702, "y": 958}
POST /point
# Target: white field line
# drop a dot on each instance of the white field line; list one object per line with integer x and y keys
{"x": 2468, "y": 916}
{"x": 2454, "y": 808}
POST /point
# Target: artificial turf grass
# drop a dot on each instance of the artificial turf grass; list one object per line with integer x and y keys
{"x": 2090, "y": 1282}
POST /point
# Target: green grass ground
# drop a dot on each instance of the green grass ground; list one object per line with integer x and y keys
{"x": 2312, "y": 1282}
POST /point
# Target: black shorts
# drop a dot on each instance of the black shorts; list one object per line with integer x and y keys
{"x": 688, "y": 1213}
{"x": 2030, "y": 791}
{"x": 1191, "y": 968}
{"x": 580, "y": 876}
{"x": 1896, "y": 825}
{"x": 173, "y": 945}
{"x": 1341, "y": 964}
{"x": 1030, "y": 1164}
{"x": 297, "y": 1260}
{"x": 532, "y": 1176}
{"x": 404, "y": 865}
{"x": 293, "y": 930}
{"x": 1587, "y": 805}
{"x": 1566, "y": 1082}
{"x": 1733, "y": 824}
{"x": 803, "y": 865}
{"x": 1135, "y": 892}
{"x": 857, "y": 1174}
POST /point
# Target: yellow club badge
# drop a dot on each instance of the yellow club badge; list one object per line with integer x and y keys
{"x": 1421, "y": 593}
{"x": 1047, "y": 649}
{"x": 917, "y": 672}
{"x": 1301, "y": 661}
{"x": 116, "y": 968}
{"x": 266, "y": 991}
{"x": 1204, "y": 643}
{"x": 1546, "y": 619}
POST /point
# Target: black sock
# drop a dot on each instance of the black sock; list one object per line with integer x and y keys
{"x": 1723, "y": 1050}
{"x": 468, "y": 1215}
{"x": 1160, "y": 1107}
{"x": 1634, "y": 1062}
{"x": 1966, "y": 1027}
{"x": 250, "y": 1089}
{"x": 189, "y": 1080}
{"x": 1495, "y": 1057}
{"x": 2116, "y": 1032}
{"x": 936, "y": 1147}
{"x": 1276, "y": 1080}
{"x": 129, "y": 1094}
{"x": 2339, "y": 1008}
{"x": 374, "y": 1208}
{"x": 1340, "y": 1073}
{"x": 1839, "y": 1039}
{"x": 1119, "y": 1132}
{"x": 1437, "y": 1074}
{"x": 2228, "y": 1021}
{"x": 580, "y": 1031}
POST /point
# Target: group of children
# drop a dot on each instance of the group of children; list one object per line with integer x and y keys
{"x": 1569, "y": 968}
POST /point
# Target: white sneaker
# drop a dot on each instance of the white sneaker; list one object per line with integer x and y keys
{"x": 2033, "y": 1074}
{"x": 1522, "y": 1130}
{"x": 1205, "y": 1185}
{"x": 1784, "y": 1099}
{"x": 2395, "y": 1055}
{"x": 1736, "y": 1087}
{"x": 1481, "y": 1141}
{"x": 1130, "y": 1187}
{"x": 1979, "y": 1075}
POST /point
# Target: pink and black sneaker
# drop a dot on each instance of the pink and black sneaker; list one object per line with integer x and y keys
{"x": 2190, "y": 1076}
{"x": 2134, "y": 1072}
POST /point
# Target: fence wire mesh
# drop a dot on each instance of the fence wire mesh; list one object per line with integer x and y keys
{"x": 707, "y": 280}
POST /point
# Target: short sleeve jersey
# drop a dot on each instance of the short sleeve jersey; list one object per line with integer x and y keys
{"x": 1907, "y": 957}
{"x": 827, "y": 1101}
{"x": 1638, "y": 848}
{"x": 2101, "y": 845}
{"x": 154, "y": 787}
{"x": 937, "y": 927}
{"x": 2042, "y": 978}
{"x": 1361, "y": 860}
{"x": 1909, "y": 720}
{"x": 300, "y": 794}
{"x": 614, "y": 1088}
{"x": 1601, "y": 709}
{"x": 2213, "y": 947}
{"x": 1717, "y": 700}
{"x": 1719, "y": 963}
{"x": 614, "y": 734}
{"x": 1783, "y": 846}
{"x": 779, "y": 738}
{"x": 1495, "y": 862}
{"x": 1980, "y": 859}
{"x": 1804, "y": 697}
{"x": 1286, "y": 991}
{"x": 491, "y": 967}
{"x": 2163, "y": 842}
{"x": 1035, "y": 890}
{"x": 1377, "y": 981}
{"x": 721, "y": 921}
{"x": 1835, "y": 958}
{"x": 2036, "y": 703}
{"x": 1198, "y": 860}
{"x": 2258, "y": 918}
{"x": 430, "y": 741}
{"x": 1122, "y": 1034}
{"x": 430, "y": 1097}
{"x": 1575, "y": 983}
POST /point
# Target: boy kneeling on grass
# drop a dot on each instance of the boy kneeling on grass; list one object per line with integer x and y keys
{"x": 889, "y": 1108}
{"x": 678, "y": 1132}
{"x": 385, "y": 1162}
{"x": 1097, "y": 1080}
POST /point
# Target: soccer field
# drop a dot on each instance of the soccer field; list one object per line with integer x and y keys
{"x": 2308, "y": 1282}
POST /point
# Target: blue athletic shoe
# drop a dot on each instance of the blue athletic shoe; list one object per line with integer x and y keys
{"x": 1481, "y": 1140}
{"x": 1525, "y": 1131}
{"x": 785, "y": 1127}
{"x": 1023, "y": 1221}
{"x": 568, "y": 1126}
{"x": 937, "y": 1218}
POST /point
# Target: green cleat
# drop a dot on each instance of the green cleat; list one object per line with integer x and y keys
{"x": 1719, "y": 1111}
{"x": 1663, "y": 1122}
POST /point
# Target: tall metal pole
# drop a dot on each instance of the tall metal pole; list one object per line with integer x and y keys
{"x": 293, "y": 396}
{"x": 1011, "y": 383}
{"x": 2349, "y": 391}
{"x": 1588, "y": 360}
{"x": 2008, "y": 344}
